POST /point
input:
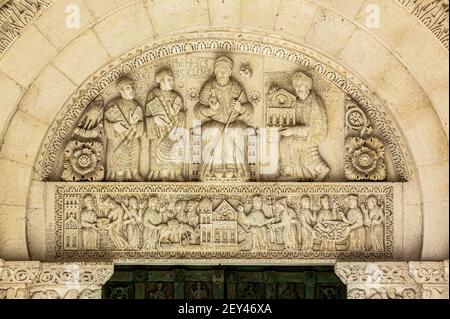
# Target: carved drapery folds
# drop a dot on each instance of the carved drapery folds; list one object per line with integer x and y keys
{"x": 133, "y": 139}
{"x": 36, "y": 280}
{"x": 287, "y": 137}
{"x": 395, "y": 280}
{"x": 231, "y": 117}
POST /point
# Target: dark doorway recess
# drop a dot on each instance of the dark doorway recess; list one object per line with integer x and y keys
{"x": 224, "y": 282}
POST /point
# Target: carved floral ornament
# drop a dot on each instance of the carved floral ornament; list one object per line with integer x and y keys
{"x": 35, "y": 280}
{"x": 394, "y": 280}
{"x": 369, "y": 154}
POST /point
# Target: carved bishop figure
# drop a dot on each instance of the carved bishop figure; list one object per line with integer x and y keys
{"x": 225, "y": 110}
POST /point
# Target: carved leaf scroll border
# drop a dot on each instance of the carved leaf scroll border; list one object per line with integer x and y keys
{"x": 285, "y": 189}
{"x": 224, "y": 42}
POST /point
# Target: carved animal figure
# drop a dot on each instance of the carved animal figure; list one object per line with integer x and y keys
{"x": 175, "y": 232}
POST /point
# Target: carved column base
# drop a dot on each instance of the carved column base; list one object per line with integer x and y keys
{"x": 394, "y": 280}
{"x": 37, "y": 280}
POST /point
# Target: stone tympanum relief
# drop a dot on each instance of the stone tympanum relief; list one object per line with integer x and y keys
{"x": 226, "y": 156}
{"x": 261, "y": 220}
{"x": 211, "y": 117}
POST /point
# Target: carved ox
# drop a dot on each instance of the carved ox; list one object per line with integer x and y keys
{"x": 175, "y": 232}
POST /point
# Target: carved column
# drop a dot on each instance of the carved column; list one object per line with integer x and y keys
{"x": 37, "y": 280}
{"x": 394, "y": 280}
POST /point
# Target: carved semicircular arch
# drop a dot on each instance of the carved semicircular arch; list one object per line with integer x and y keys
{"x": 226, "y": 43}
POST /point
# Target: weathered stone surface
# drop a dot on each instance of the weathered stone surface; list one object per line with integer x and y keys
{"x": 118, "y": 26}
{"x": 78, "y": 67}
{"x": 397, "y": 75}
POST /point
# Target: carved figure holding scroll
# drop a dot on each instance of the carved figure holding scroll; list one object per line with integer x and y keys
{"x": 224, "y": 110}
{"x": 300, "y": 158}
{"x": 124, "y": 127}
{"x": 166, "y": 120}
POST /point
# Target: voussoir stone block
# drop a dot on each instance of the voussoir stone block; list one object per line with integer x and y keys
{"x": 330, "y": 32}
{"x": 424, "y": 132}
{"x": 102, "y": 8}
{"x": 125, "y": 29}
{"x": 259, "y": 13}
{"x": 10, "y": 92}
{"x": 295, "y": 17}
{"x": 13, "y": 187}
{"x": 424, "y": 57}
{"x": 173, "y": 15}
{"x": 23, "y": 138}
{"x": 12, "y": 232}
{"x": 47, "y": 94}
{"x": 63, "y": 20}
{"x": 23, "y": 61}
{"x": 348, "y": 9}
{"x": 367, "y": 56}
{"x": 224, "y": 13}
{"x": 435, "y": 184}
{"x": 435, "y": 231}
{"x": 392, "y": 23}
{"x": 90, "y": 56}
{"x": 440, "y": 100}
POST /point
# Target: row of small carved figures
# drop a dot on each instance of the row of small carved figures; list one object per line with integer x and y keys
{"x": 161, "y": 223}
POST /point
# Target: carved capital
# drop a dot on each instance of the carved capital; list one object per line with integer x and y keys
{"x": 427, "y": 272}
{"x": 395, "y": 280}
{"x": 36, "y": 280}
{"x": 373, "y": 273}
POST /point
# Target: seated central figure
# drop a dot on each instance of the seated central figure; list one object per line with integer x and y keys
{"x": 224, "y": 111}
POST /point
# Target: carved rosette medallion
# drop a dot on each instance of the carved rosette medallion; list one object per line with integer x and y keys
{"x": 364, "y": 159}
{"x": 83, "y": 162}
{"x": 364, "y": 151}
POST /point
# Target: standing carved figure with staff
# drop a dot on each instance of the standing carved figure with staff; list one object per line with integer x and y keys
{"x": 225, "y": 111}
{"x": 124, "y": 127}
